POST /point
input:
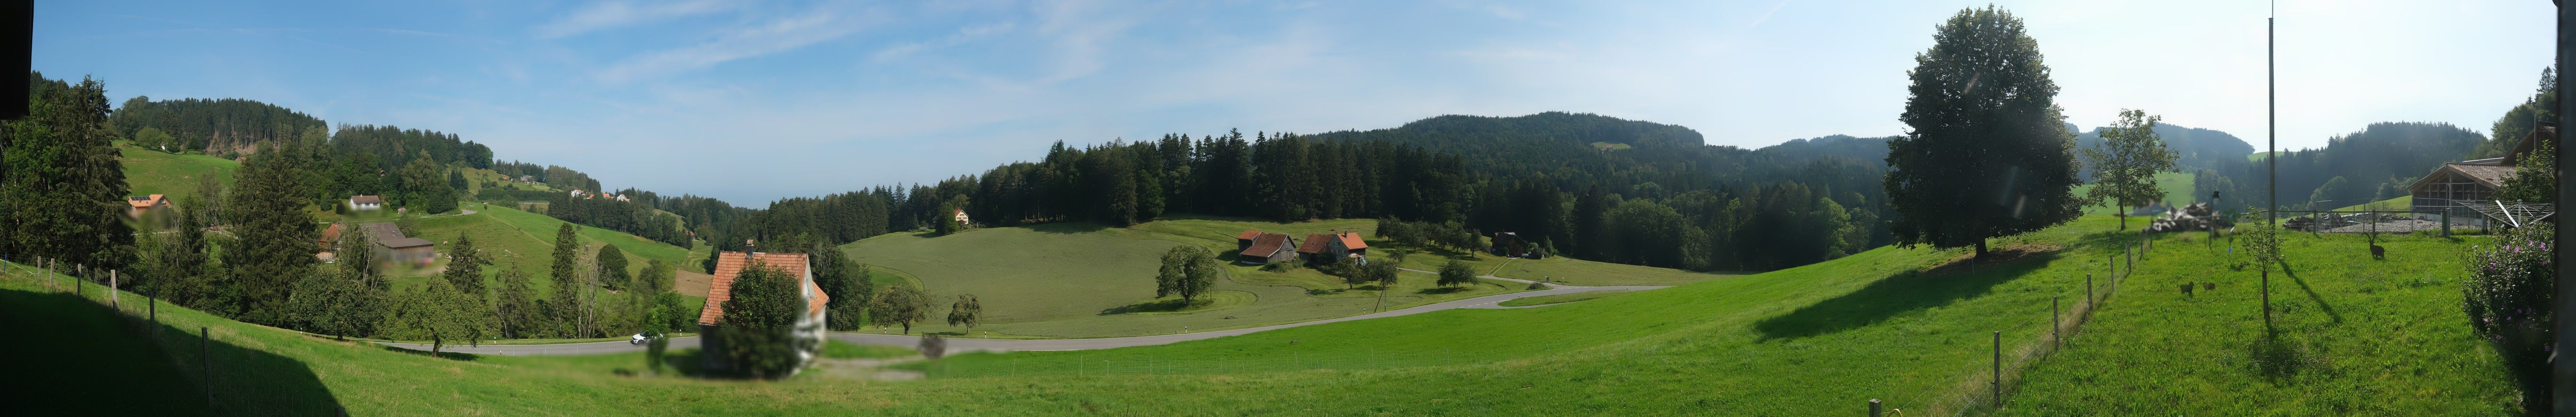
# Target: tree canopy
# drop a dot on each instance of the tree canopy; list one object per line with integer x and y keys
{"x": 1985, "y": 154}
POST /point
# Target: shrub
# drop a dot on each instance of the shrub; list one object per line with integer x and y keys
{"x": 2510, "y": 284}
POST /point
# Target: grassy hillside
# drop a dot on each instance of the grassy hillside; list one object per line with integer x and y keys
{"x": 1081, "y": 280}
{"x": 154, "y": 172}
{"x": 2352, "y": 336}
{"x": 526, "y": 241}
{"x": 2399, "y": 203}
{"x": 1812, "y": 340}
{"x": 2177, "y": 186}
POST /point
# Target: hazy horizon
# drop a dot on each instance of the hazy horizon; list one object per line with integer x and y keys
{"x": 693, "y": 96}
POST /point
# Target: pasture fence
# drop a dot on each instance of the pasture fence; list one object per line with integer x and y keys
{"x": 236, "y": 380}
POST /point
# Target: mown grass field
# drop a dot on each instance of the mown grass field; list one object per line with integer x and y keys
{"x": 1814, "y": 340}
{"x": 2400, "y": 203}
{"x": 150, "y": 172}
{"x": 1080, "y": 280}
{"x": 2352, "y": 335}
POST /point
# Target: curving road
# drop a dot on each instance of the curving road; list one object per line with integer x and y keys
{"x": 959, "y": 344}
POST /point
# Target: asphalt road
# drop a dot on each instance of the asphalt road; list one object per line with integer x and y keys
{"x": 959, "y": 344}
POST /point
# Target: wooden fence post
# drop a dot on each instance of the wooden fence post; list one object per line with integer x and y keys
{"x": 1873, "y": 407}
{"x": 113, "y": 298}
{"x": 2055, "y": 323}
{"x": 205, "y": 356}
{"x": 2088, "y": 288}
{"x": 1998, "y": 383}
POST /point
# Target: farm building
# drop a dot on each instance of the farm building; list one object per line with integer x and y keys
{"x": 408, "y": 250}
{"x": 136, "y": 207}
{"x": 729, "y": 265}
{"x": 962, "y": 220}
{"x": 1508, "y": 244}
{"x": 366, "y": 203}
{"x": 1261, "y": 248}
{"x": 1342, "y": 245}
{"x": 2467, "y": 182}
{"x": 382, "y": 231}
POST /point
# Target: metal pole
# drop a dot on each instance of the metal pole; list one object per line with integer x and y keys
{"x": 2271, "y": 155}
{"x": 1873, "y": 407}
{"x": 1998, "y": 383}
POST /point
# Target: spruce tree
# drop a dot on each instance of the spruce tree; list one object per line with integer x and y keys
{"x": 62, "y": 191}
{"x": 465, "y": 267}
{"x": 276, "y": 231}
{"x": 564, "y": 307}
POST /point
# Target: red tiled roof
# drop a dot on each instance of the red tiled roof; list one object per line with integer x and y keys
{"x": 1248, "y": 235}
{"x": 146, "y": 201}
{"x": 1314, "y": 244}
{"x": 815, "y": 303}
{"x": 331, "y": 234}
{"x": 1266, "y": 244}
{"x": 730, "y": 265}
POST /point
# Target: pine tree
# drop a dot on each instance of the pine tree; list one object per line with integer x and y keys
{"x": 465, "y": 266}
{"x": 62, "y": 190}
{"x": 612, "y": 267}
{"x": 564, "y": 307}
{"x": 276, "y": 237}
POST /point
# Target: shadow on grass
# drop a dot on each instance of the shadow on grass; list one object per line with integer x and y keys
{"x": 1066, "y": 228}
{"x": 1441, "y": 290}
{"x": 81, "y": 356}
{"x": 469, "y": 357}
{"x": 1156, "y": 306}
{"x": 1904, "y": 292}
{"x": 2312, "y": 293}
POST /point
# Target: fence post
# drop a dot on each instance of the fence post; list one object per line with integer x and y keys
{"x": 2088, "y": 288}
{"x": 2056, "y": 323}
{"x": 1873, "y": 407}
{"x": 2446, "y": 222}
{"x": 112, "y": 296}
{"x": 205, "y": 356}
{"x": 1998, "y": 383}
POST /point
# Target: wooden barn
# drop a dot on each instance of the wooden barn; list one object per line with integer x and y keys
{"x": 2452, "y": 184}
{"x": 1508, "y": 244}
{"x": 1262, "y": 248}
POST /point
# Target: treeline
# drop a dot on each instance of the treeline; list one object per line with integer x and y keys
{"x": 2378, "y": 162}
{"x": 1668, "y": 201}
{"x": 399, "y": 146}
{"x": 550, "y": 175}
{"x": 216, "y": 126}
{"x": 635, "y": 216}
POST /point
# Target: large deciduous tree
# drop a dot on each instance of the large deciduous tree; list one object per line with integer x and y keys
{"x": 899, "y": 305}
{"x": 967, "y": 312}
{"x": 2126, "y": 162}
{"x": 1986, "y": 153}
{"x": 1188, "y": 271}
{"x": 438, "y": 313}
{"x": 612, "y": 267}
{"x": 1456, "y": 273}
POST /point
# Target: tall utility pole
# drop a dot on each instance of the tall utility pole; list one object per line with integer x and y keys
{"x": 2271, "y": 157}
{"x": 2562, "y": 375}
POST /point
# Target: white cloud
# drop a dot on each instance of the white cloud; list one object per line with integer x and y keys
{"x": 771, "y": 37}
{"x": 614, "y": 14}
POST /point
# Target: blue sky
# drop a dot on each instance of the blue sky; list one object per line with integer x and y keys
{"x": 752, "y": 102}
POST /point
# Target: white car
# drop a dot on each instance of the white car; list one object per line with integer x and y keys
{"x": 637, "y": 340}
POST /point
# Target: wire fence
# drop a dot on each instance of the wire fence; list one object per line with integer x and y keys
{"x": 234, "y": 379}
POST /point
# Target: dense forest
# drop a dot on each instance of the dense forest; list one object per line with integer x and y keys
{"x": 1666, "y": 200}
{"x": 2378, "y": 162}
{"x": 217, "y": 126}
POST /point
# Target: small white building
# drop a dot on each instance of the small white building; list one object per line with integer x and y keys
{"x": 366, "y": 203}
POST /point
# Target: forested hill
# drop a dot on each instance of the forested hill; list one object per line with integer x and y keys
{"x": 2194, "y": 148}
{"x": 218, "y": 126}
{"x": 2378, "y": 162}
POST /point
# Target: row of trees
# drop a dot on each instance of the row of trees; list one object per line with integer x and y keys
{"x": 215, "y": 126}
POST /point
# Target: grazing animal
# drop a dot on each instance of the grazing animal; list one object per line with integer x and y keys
{"x": 2378, "y": 252}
